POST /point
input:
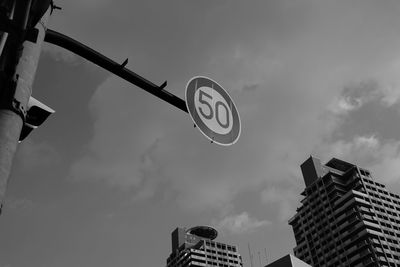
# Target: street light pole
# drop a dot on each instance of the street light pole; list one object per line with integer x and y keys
{"x": 18, "y": 64}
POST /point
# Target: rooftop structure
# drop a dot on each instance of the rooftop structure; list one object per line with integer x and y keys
{"x": 196, "y": 247}
{"x": 288, "y": 261}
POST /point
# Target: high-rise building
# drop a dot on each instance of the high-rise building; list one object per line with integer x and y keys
{"x": 196, "y": 247}
{"x": 346, "y": 218}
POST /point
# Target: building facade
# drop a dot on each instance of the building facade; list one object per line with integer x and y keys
{"x": 346, "y": 218}
{"x": 196, "y": 247}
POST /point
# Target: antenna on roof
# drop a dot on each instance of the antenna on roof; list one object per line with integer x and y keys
{"x": 250, "y": 255}
{"x": 266, "y": 259}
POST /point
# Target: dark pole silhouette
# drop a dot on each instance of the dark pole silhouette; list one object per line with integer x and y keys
{"x": 21, "y": 46}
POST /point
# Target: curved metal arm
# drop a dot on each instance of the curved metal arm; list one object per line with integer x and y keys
{"x": 95, "y": 57}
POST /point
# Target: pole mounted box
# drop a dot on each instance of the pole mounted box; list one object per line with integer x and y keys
{"x": 37, "y": 113}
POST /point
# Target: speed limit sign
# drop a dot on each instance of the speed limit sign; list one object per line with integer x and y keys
{"x": 212, "y": 110}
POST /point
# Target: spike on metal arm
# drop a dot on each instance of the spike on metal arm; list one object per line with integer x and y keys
{"x": 162, "y": 86}
{"x": 124, "y": 63}
{"x": 54, "y": 7}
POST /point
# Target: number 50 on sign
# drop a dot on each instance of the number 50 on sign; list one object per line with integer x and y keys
{"x": 212, "y": 110}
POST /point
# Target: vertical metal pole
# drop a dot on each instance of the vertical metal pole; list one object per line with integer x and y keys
{"x": 21, "y": 60}
{"x": 9, "y": 8}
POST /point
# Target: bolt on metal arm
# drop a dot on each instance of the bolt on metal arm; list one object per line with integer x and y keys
{"x": 95, "y": 57}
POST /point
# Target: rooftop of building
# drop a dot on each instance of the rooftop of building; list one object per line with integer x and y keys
{"x": 203, "y": 231}
{"x": 339, "y": 164}
{"x": 288, "y": 261}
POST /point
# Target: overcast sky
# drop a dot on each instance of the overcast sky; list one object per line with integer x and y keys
{"x": 115, "y": 170}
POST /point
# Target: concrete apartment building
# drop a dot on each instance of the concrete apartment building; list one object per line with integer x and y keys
{"x": 346, "y": 218}
{"x": 196, "y": 247}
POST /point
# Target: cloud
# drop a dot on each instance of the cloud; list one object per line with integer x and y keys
{"x": 361, "y": 93}
{"x": 32, "y": 154}
{"x": 151, "y": 173}
{"x": 285, "y": 199}
{"x": 382, "y": 157}
{"x": 125, "y": 173}
{"x": 61, "y": 54}
{"x": 251, "y": 87}
{"x": 293, "y": 67}
{"x": 366, "y": 108}
{"x": 387, "y": 169}
{"x": 360, "y": 145}
{"x": 377, "y": 89}
{"x": 127, "y": 139}
{"x": 342, "y": 106}
{"x": 94, "y": 3}
{"x": 300, "y": 54}
{"x": 22, "y": 203}
{"x": 391, "y": 94}
{"x": 19, "y": 204}
{"x": 358, "y": 94}
{"x": 363, "y": 131}
{"x": 390, "y": 83}
{"x": 198, "y": 195}
{"x": 240, "y": 223}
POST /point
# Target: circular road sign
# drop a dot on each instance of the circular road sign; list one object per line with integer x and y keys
{"x": 212, "y": 110}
